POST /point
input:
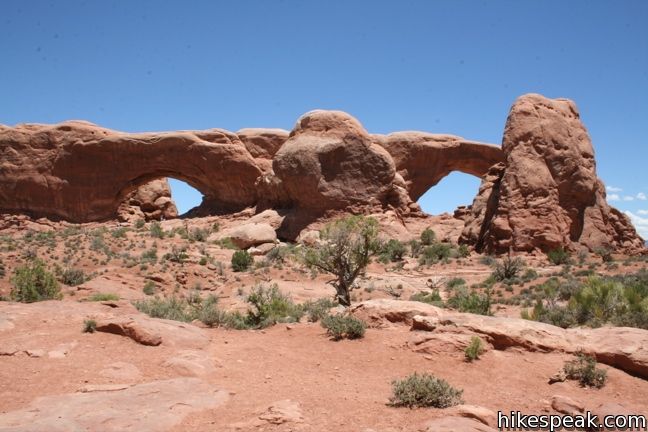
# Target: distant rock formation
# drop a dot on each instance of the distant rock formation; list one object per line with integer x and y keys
{"x": 151, "y": 201}
{"x": 546, "y": 194}
{"x": 539, "y": 190}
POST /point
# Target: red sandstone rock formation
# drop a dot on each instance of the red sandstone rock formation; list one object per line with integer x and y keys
{"x": 151, "y": 201}
{"x": 546, "y": 195}
{"x": 539, "y": 191}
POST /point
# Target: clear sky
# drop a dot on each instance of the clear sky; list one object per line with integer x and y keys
{"x": 450, "y": 66}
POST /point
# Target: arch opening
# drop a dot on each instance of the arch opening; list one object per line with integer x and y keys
{"x": 455, "y": 190}
{"x": 160, "y": 196}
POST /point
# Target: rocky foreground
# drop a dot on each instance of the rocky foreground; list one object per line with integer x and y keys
{"x": 137, "y": 373}
{"x": 291, "y": 377}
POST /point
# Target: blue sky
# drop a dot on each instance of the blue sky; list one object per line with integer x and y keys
{"x": 440, "y": 66}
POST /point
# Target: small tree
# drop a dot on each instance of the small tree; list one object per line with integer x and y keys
{"x": 345, "y": 252}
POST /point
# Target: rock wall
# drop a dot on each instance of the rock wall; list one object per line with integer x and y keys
{"x": 539, "y": 190}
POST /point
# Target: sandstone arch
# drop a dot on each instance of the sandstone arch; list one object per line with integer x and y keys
{"x": 423, "y": 159}
{"x": 81, "y": 172}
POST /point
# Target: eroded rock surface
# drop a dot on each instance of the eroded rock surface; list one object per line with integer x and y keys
{"x": 540, "y": 190}
{"x": 154, "y": 406}
{"x": 547, "y": 194}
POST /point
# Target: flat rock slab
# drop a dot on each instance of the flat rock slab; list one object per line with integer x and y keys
{"x": 152, "y": 407}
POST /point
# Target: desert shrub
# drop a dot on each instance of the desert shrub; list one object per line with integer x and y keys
{"x": 507, "y": 269}
{"x": 241, "y": 260}
{"x": 198, "y": 234}
{"x": 156, "y": 230}
{"x": 119, "y": 232}
{"x": 435, "y": 253}
{"x": 583, "y": 369}
{"x": 428, "y": 237}
{"x": 455, "y": 282}
{"x": 270, "y": 306}
{"x": 89, "y": 326}
{"x": 471, "y": 302}
{"x": 318, "y": 309}
{"x": 474, "y": 349}
{"x": 177, "y": 254}
{"x": 463, "y": 251}
{"x": 139, "y": 224}
{"x": 3, "y": 271}
{"x": 605, "y": 254}
{"x": 149, "y": 288}
{"x": 393, "y": 251}
{"x": 227, "y": 243}
{"x": 149, "y": 256}
{"x": 32, "y": 282}
{"x": 279, "y": 254}
{"x": 430, "y": 297}
{"x": 73, "y": 277}
{"x": 559, "y": 256}
{"x": 424, "y": 390}
{"x": 487, "y": 260}
{"x": 97, "y": 297}
{"x": 344, "y": 251}
{"x": 529, "y": 275}
{"x": 184, "y": 309}
{"x": 172, "y": 308}
{"x": 344, "y": 327}
{"x": 207, "y": 311}
{"x": 415, "y": 248}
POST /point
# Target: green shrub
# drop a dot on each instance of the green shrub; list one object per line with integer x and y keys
{"x": 474, "y": 349}
{"x": 428, "y": 237}
{"x": 455, "y": 282}
{"x": 424, "y": 390}
{"x": 177, "y": 255}
{"x": 507, "y": 269}
{"x": 32, "y": 282}
{"x": 605, "y": 254}
{"x": 559, "y": 256}
{"x": 583, "y": 369}
{"x": 433, "y": 297}
{"x": 270, "y": 306}
{"x": 149, "y": 287}
{"x": 472, "y": 302}
{"x": 463, "y": 251}
{"x": 172, "y": 308}
{"x": 89, "y": 326}
{"x": 139, "y": 224}
{"x": 103, "y": 297}
{"x": 241, "y": 260}
{"x": 435, "y": 253}
{"x": 119, "y": 232}
{"x": 279, "y": 254}
{"x": 226, "y": 243}
{"x": 392, "y": 251}
{"x": 199, "y": 234}
{"x": 73, "y": 277}
{"x": 344, "y": 327}
{"x": 156, "y": 230}
{"x": 318, "y": 309}
{"x": 415, "y": 248}
{"x": 149, "y": 256}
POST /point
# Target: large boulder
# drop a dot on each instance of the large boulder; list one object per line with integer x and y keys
{"x": 547, "y": 194}
{"x": 330, "y": 162}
